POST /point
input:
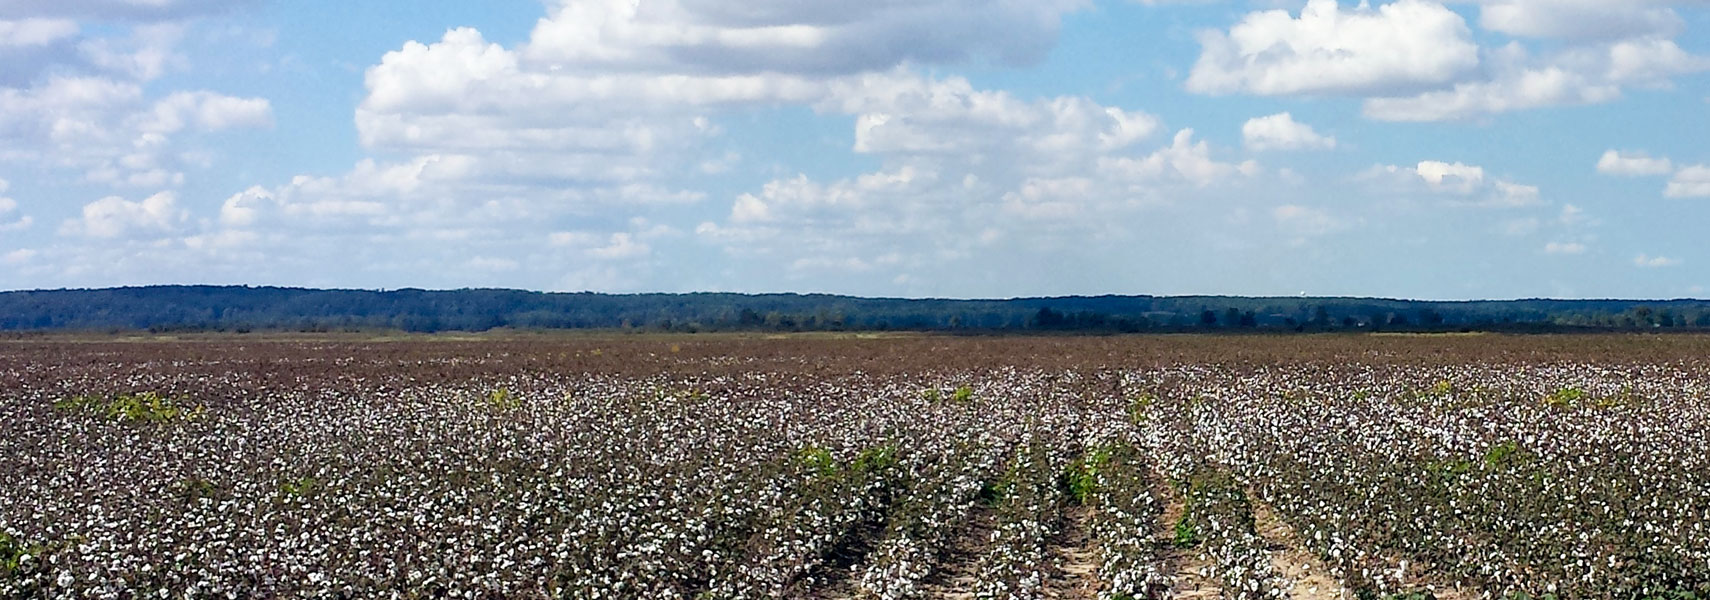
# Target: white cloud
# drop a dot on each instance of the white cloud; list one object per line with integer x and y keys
{"x": 1184, "y": 160}
{"x": 789, "y": 36}
{"x": 615, "y": 84}
{"x": 1282, "y": 132}
{"x": 1397, "y": 47}
{"x": 1579, "y": 19}
{"x": 1456, "y": 179}
{"x": 1644, "y": 261}
{"x": 206, "y": 111}
{"x": 7, "y": 207}
{"x": 964, "y": 170}
{"x": 1690, "y": 182}
{"x": 1564, "y": 248}
{"x": 149, "y": 52}
{"x": 1515, "y": 80}
{"x": 370, "y": 194}
{"x": 622, "y": 245}
{"x": 1415, "y": 60}
{"x": 1514, "y": 194}
{"x": 1639, "y": 164}
{"x": 901, "y": 113}
{"x": 36, "y": 32}
{"x": 611, "y": 103}
{"x": 107, "y": 129}
{"x": 114, "y": 217}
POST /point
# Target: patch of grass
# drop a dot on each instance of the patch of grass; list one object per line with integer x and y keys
{"x": 18, "y": 556}
{"x": 503, "y": 399}
{"x": 300, "y": 487}
{"x": 1080, "y": 479}
{"x": 875, "y": 459}
{"x": 1567, "y": 397}
{"x": 1186, "y": 533}
{"x": 1140, "y": 408}
{"x": 961, "y": 395}
{"x": 146, "y": 407}
{"x": 817, "y": 460}
{"x": 1502, "y": 454}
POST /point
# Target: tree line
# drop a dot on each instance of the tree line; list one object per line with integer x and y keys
{"x": 243, "y": 308}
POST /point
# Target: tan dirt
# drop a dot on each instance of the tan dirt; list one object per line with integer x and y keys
{"x": 1182, "y": 564}
{"x": 1076, "y": 559}
{"x": 1309, "y": 578}
{"x": 960, "y": 570}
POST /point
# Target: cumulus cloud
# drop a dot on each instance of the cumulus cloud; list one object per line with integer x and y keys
{"x": 1454, "y": 177}
{"x": 984, "y": 164}
{"x": 1415, "y": 60}
{"x": 1564, "y": 248}
{"x": 367, "y": 195}
{"x": 1396, "y": 47}
{"x": 898, "y": 112}
{"x": 1645, "y": 261}
{"x": 107, "y": 129}
{"x": 1690, "y": 182}
{"x": 788, "y": 36}
{"x": 1515, "y": 80}
{"x": 8, "y": 208}
{"x": 610, "y": 105}
{"x": 1615, "y": 162}
{"x": 36, "y": 31}
{"x": 1282, "y": 132}
{"x": 148, "y": 53}
{"x": 616, "y": 77}
{"x": 1184, "y": 160}
{"x": 1457, "y": 179}
{"x": 206, "y": 111}
{"x": 115, "y": 217}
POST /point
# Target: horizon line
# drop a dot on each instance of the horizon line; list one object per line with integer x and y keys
{"x": 1303, "y": 296}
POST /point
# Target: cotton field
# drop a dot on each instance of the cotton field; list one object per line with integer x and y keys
{"x": 894, "y": 468}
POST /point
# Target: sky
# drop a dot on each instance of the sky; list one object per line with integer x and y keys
{"x": 1462, "y": 149}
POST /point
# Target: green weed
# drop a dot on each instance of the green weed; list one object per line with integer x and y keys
{"x": 146, "y": 407}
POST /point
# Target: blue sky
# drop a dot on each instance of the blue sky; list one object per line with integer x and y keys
{"x": 955, "y": 148}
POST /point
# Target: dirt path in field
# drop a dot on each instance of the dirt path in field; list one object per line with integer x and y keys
{"x": 1308, "y": 577}
{"x": 1075, "y": 557}
{"x": 1182, "y": 564}
{"x": 960, "y": 570}
{"x": 835, "y": 580}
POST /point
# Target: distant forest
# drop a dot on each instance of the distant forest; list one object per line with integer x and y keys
{"x": 240, "y": 309}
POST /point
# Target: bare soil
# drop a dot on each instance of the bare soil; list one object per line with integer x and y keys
{"x": 956, "y": 577}
{"x": 1185, "y": 567}
{"x": 1076, "y": 558}
{"x": 1308, "y": 577}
